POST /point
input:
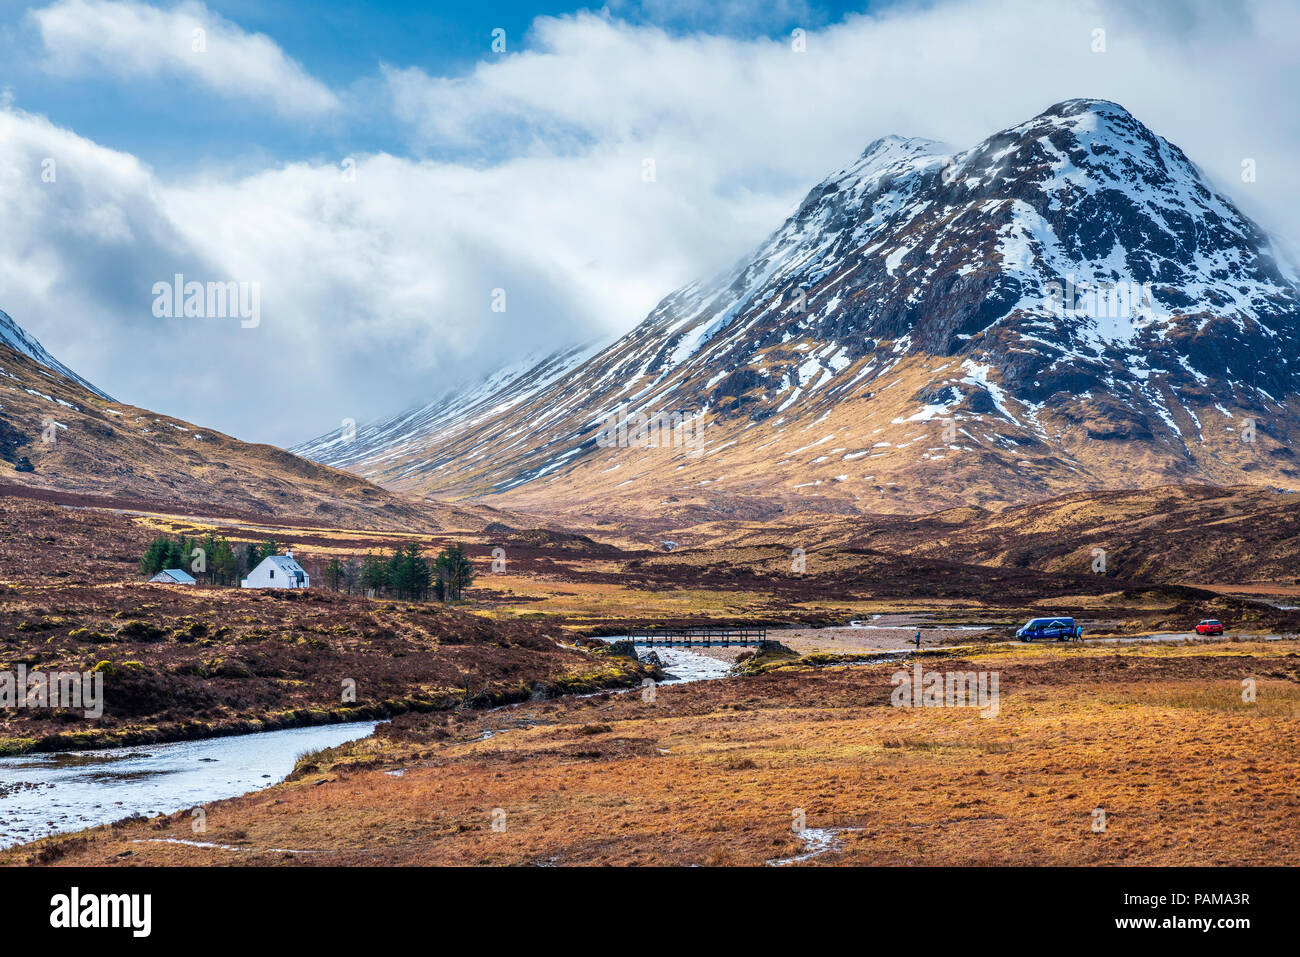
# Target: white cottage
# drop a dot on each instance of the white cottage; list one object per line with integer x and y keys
{"x": 277, "y": 571}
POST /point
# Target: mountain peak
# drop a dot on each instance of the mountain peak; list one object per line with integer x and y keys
{"x": 1070, "y": 296}
{"x": 1087, "y": 104}
{"x": 893, "y": 145}
{"x": 893, "y": 154}
{"x": 1100, "y": 133}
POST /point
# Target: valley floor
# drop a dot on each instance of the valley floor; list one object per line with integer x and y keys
{"x": 1156, "y": 738}
{"x": 504, "y": 748}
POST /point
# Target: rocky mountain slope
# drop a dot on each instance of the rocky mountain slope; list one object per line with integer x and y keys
{"x": 419, "y": 429}
{"x": 1067, "y": 305}
{"x": 64, "y": 440}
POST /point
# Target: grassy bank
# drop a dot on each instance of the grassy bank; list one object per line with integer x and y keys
{"x": 1158, "y": 738}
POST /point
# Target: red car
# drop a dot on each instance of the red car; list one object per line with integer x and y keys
{"x": 1210, "y": 627}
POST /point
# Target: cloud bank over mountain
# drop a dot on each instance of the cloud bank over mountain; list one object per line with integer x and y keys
{"x": 587, "y": 171}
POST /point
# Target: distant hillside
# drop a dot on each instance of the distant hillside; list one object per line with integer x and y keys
{"x": 1181, "y": 533}
{"x": 60, "y": 436}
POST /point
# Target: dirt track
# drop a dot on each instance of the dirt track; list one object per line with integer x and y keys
{"x": 887, "y": 632}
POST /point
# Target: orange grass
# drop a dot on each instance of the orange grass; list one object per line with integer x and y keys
{"x": 716, "y": 773}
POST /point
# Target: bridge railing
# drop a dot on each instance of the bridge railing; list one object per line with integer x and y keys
{"x": 699, "y": 636}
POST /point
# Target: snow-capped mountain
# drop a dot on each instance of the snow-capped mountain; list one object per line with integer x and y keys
{"x": 427, "y": 427}
{"x": 17, "y": 338}
{"x": 1069, "y": 304}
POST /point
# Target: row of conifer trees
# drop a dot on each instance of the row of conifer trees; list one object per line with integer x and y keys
{"x": 406, "y": 573}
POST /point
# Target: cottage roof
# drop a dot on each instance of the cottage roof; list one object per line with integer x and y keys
{"x": 178, "y": 575}
{"x": 285, "y": 563}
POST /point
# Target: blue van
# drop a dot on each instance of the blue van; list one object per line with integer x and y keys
{"x": 1062, "y": 629}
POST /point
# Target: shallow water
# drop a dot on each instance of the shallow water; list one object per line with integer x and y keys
{"x": 680, "y": 664}
{"x": 42, "y": 794}
{"x": 816, "y": 841}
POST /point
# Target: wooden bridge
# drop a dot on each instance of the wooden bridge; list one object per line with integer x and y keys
{"x": 706, "y": 637}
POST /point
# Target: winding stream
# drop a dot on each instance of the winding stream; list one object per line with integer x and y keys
{"x": 43, "y": 794}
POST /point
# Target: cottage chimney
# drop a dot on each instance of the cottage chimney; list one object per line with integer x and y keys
{"x": 288, "y": 553}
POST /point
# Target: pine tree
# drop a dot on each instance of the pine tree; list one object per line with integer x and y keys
{"x": 334, "y": 573}
{"x": 397, "y": 573}
{"x": 176, "y": 554}
{"x": 209, "y": 547}
{"x": 374, "y": 573}
{"x": 221, "y": 562}
{"x": 455, "y": 571}
{"x": 157, "y": 555}
{"x": 408, "y": 572}
{"x": 419, "y": 572}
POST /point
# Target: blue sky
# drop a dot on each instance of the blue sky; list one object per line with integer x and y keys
{"x": 379, "y": 172}
{"x": 342, "y": 43}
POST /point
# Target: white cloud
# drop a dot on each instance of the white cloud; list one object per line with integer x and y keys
{"x": 376, "y": 292}
{"x": 729, "y": 113}
{"x": 129, "y": 39}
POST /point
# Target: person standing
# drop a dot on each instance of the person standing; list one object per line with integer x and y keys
{"x": 917, "y": 639}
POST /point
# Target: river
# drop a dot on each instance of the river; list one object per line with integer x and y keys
{"x": 43, "y": 794}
